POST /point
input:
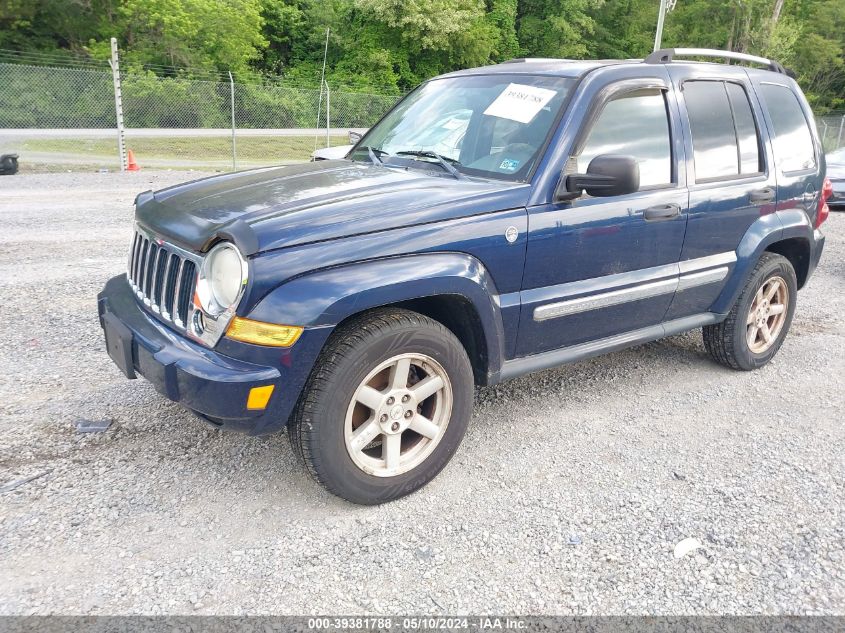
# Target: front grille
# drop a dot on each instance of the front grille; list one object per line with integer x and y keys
{"x": 163, "y": 277}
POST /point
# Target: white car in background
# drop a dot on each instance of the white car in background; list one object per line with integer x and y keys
{"x": 444, "y": 136}
{"x": 338, "y": 151}
{"x": 836, "y": 173}
{"x": 331, "y": 153}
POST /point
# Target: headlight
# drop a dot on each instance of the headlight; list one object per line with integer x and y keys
{"x": 222, "y": 277}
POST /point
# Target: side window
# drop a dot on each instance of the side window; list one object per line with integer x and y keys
{"x": 635, "y": 124}
{"x": 747, "y": 139}
{"x": 793, "y": 142}
{"x": 725, "y": 143}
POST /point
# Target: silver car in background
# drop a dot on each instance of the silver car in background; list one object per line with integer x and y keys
{"x": 836, "y": 173}
{"x": 338, "y": 151}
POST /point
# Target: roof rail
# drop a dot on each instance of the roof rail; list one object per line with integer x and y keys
{"x": 666, "y": 55}
{"x": 522, "y": 60}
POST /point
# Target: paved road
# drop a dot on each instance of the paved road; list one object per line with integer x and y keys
{"x": 570, "y": 492}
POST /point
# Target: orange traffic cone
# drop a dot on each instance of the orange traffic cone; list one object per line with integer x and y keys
{"x": 130, "y": 160}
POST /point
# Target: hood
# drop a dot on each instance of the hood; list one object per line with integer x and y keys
{"x": 275, "y": 207}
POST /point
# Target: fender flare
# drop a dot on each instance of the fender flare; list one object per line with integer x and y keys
{"x": 775, "y": 227}
{"x": 328, "y": 296}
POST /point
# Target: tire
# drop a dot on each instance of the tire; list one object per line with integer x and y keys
{"x": 734, "y": 343}
{"x": 323, "y": 430}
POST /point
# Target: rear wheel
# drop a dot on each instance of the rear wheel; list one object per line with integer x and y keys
{"x": 759, "y": 320}
{"x": 386, "y": 406}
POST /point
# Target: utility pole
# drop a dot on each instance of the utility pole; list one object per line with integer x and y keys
{"x": 658, "y": 36}
{"x": 118, "y": 105}
{"x": 322, "y": 81}
{"x": 665, "y": 7}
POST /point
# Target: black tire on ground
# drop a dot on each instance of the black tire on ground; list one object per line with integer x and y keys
{"x": 8, "y": 164}
{"x": 727, "y": 342}
{"x": 354, "y": 350}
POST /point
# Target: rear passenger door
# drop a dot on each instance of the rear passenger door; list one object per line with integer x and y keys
{"x": 730, "y": 184}
{"x": 795, "y": 151}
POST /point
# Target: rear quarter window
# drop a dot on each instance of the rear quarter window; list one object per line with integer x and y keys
{"x": 793, "y": 141}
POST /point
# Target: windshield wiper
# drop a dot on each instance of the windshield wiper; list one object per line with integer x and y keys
{"x": 374, "y": 154}
{"x": 446, "y": 163}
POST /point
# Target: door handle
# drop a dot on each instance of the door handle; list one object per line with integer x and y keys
{"x": 759, "y": 196}
{"x": 662, "y": 212}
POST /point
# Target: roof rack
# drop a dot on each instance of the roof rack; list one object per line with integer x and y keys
{"x": 666, "y": 55}
{"x": 522, "y": 60}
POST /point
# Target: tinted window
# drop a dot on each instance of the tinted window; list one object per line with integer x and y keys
{"x": 635, "y": 124}
{"x": 713, "y": 137}
{"x": 746, "y": 130}
{"x": 793, "y": 141}
{"x": 724, "y": 137}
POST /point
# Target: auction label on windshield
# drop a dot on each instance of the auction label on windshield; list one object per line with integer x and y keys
{"x": 520, "y": 103}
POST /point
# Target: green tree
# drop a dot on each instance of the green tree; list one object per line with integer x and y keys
{"x": 213, "y": 34}
{"x": 501, "y": 14}
{"x": 54, "y": 26}
{"x": 384, "y": 46}
{"x": 556, "y": 28}
{"x": 624, "y": 29}
{"x": 819, "y": 51}
{"x": 282, "y": 21}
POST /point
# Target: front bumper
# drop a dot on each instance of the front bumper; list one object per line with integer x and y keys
{"x": 215, "y": 383}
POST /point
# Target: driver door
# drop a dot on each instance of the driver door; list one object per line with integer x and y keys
{"x": 600, "y": 266}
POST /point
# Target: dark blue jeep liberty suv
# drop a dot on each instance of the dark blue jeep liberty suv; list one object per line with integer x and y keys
{"x": 497, "y": 221}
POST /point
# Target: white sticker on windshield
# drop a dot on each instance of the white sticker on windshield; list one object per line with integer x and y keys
{"x": 520, "y": 103}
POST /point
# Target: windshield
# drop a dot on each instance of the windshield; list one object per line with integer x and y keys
{"x": 485, "y": 125}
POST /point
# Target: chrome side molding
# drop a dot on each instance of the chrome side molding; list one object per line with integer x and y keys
{"x": 684, "y": 275}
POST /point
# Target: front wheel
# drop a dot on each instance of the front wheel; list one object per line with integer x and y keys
{"x": 759, "y": 320}
{"x": 386, "y": 407}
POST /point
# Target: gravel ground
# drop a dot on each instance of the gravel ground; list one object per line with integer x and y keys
{"x": 567, "y": 496}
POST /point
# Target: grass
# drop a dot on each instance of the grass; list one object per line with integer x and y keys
{"x": 168, "y": 152}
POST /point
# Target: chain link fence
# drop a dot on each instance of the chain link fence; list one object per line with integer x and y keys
{"x": 59, "y": 118}
{"x": 832, "y": 130}
{"x": 64, "y": 118}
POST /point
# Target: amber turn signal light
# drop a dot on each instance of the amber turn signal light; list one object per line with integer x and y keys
{"x": 259, "y": 397}
{"x": 260, "y": 333}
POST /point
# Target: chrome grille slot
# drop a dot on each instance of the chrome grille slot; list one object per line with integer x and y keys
{"x": 158, "y": 276}
{"x": 133, "y": 253}
{"x": 186, "y": 289}
{"x": 168, "y": 283}
{"x": 142, "y": 256}
{"x": 149, "y": 264}
{"x": 163, "y": 277}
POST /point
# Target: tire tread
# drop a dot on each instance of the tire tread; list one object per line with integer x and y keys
{"x": 719, "y": 339}
{"x": 343, "y": 343}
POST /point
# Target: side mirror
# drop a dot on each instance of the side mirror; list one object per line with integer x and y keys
{"x": 607, "y": 175}
{"x": 354, "y": 137}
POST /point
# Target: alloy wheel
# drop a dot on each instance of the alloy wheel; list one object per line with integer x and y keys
{"x": 398, "y": 415}
{"x": 767, "y": 314}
